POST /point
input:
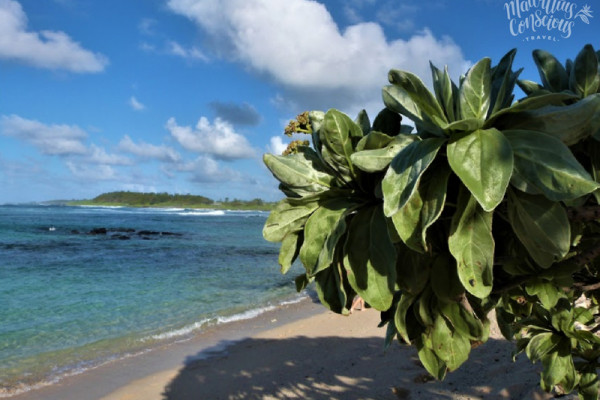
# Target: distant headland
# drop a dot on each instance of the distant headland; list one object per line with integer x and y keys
{"x": 164, "y": 200}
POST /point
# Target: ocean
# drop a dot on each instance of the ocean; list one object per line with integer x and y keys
{"x": 83, "y": 286}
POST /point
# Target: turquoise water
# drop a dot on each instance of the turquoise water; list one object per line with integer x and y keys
{"x": 71, "y": 299}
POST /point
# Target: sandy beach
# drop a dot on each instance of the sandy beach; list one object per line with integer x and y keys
{"x": 300, "y": 351}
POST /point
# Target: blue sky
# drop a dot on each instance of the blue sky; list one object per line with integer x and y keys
{"x": 184, "y": 96}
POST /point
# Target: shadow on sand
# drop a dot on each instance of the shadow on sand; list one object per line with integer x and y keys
{"x": 347, "y": 368}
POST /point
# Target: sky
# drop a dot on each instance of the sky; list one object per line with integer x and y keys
{"x": 185, "y": 96}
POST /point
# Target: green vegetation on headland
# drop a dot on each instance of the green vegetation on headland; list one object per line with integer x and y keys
{"x": 161, "y": 200}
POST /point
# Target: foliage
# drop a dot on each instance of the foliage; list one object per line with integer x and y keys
{"x": 138, "y": 199}
{"x": 490, "y": 204}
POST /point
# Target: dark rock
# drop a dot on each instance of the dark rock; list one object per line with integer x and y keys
{"x": 170, "y": 234}
{"x": 98, "y": 231}
{"x": 122, "y": 230}
{"x": 142, "y": 233}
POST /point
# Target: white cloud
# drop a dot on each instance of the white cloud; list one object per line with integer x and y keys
{"x": 58, "y": 140}
{"x": 191, "y": 53}
{"x": 147, "y": 150}
{"x": 97, "y": 155}
{"x": 205, "y": 169}
{"x": 92, "y": 173}
{"x": 276, "y": 145}
{"x": 44, "y": 49}
{"x": 218, "y": 139}
{"x": 135, "y": 104}
{"x": 298, "y": 44}
{"x": 53, "y": 139}
{"x": 398, "y": 15}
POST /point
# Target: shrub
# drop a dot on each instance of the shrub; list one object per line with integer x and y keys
{"x": 489, "y": 204}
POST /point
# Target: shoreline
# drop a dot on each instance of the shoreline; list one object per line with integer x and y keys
{"x": 299, "y": 351}
{"x": 229, "y": 326}
{"x": 96, "y": 382}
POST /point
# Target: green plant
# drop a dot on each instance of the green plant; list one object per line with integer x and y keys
{"x": 489, "y": 205}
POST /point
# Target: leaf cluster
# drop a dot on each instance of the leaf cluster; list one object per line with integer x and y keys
{"x": 489, "y": 204}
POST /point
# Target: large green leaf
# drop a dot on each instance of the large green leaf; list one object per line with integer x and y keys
{"x": 503, "y": 82}
{"x": 546, "y": 164}
{"x": 332, "y": 291}
{"x": 529, "y": 87}
{"x": 373, "y": 140}
{"x": 449, "y": 345}
{"x": 585, "y": 77}
{"x": 462, "y": 320}
{"x": 546, "y": 292}
{"x": 419, "y": 94}
{"x": 327, "y": 254}
{"x": 588, "y": 384}
{"x": 569, "y": 123}
{"x": 370, "y": 258}
{"x": 541, "y": 225}
{"x": 571, "y": 378}
{"x": 319, "y": 226}
{"x": 472, "y": 244}
{"x": 413, "y": 270}
{"x": 464, "y": 125}
{"x": 557, "y": 364}
{"x": 444, "y": 279}
{"x": 362, "y": 120}
{"x": 400, "y": 101}
{"x": 445, "y": 91}
{"x": 422, "y": 209}
{"x": 339, "y": 134}
{"x": 406, "y": 301}
{"x": 432, "y": 363}
{"x": 553, "y": 74}
{"x": 287, "y": 217}
{"x": 475, "y": 91}
{"x": 425, "y": 308}
{"x": 339, "y": 165}
{"x": 289, "y": 251}
{"x": 471, "y": 157}
{"x": 387, "y": 121}
{"x": 512, "y": 116}
{"x": 562, "y": 319}
{"x": 404, "y": 173}
{"x": 300, "y": 170}
{"x": 379, "y": 159}
{"x": 541, "y": 344}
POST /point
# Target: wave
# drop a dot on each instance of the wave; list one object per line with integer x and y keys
{"x": 95, "y": 206}
{"x": 188, "y": 330}
{"x": 66, "y": 372}
{"x": 181, "y": 334}
{"x": 185, "y": 331}
{"x": 249, "y": 314}
{"x": 203, "y": 213}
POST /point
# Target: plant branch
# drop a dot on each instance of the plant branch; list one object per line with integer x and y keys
{"x": 580, "y": 260}
{"x": 583, "y": 214}
{"x": 586, "y": 257}
{"x": 586, "y": 288}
